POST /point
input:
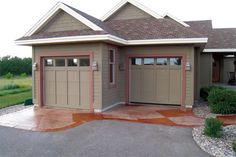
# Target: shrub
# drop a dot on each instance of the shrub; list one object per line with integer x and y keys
{"x": 204, "y": 91}
{"x": 213, "y": 128}
{"x": 222, "y": 101}
{"x": 234, "y": 146}
{"x": 10, "y": 86}
{"x": 23, "y": 75}
{"x": 8, "y": 75}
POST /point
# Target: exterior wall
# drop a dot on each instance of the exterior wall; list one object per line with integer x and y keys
{"x": 197, "y": 71}
{"x": 227, "y": 67}
{"x": 63, "y": 22}
{"x": 129, "y": 12}
{"x": 111, "y": 93}
{"x": 70, "y": 49}
{"x": 205, "y": 69}
{"x": 188, "y": 51}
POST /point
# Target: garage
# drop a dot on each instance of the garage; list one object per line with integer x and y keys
{"x": 67, "y": 82}
{"x": 156, "y": 80}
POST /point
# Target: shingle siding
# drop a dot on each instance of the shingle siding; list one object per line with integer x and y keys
{"x": 129, "y": 11}
{"x": 63, "y": 22}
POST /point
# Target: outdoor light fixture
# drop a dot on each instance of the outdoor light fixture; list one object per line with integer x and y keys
{"x": 188, "y": 66}
{"x": 95, "y": 66}
{"x": 35, "y": 66}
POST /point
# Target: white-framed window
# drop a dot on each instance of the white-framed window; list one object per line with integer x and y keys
{"x": 111, "y": 66}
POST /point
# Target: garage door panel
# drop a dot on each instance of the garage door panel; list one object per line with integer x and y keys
{"x": 158, "y": 81}
{"x": 85, "y": 87}
{"x": 135, "y": 84}
{"x": 162, "y": 85}
{"x": 67, "y": 85}
{"x": 175, "y": 86}
{"x": 148, "y": 84}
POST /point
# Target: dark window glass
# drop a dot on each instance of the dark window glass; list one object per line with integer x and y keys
{"x": 161, "y": 61}
{"x": 175, "y": 61}
{"x": 111, "y": 73}
{"x": 72, "y": 62}
{"x": 48, "y": 62}
{"x": 84, "y": 62}
{"x": 60, "y": 62}
{"x": 136, "y": 61}
{"x": 111, "y": 56}
{"x": 148, "y": 61}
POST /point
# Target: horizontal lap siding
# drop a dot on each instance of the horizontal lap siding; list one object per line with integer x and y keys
{"x": 75, "y": 49}
{"x": 111, "y": 94}
{"x": 63, "y": 22}
{"x": 171, "y": 50}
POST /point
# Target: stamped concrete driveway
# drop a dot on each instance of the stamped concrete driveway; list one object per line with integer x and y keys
{"x": 101, "y": 139}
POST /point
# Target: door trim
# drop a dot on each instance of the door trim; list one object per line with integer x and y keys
{"x": 127, "y": 74}
{"x": 74, "y": 54}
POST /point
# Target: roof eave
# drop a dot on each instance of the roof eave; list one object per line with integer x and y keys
{"x": 112, "y": 38}
{"x": 220, "y": 50}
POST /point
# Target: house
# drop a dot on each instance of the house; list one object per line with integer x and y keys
{"x": 131, "y": 55}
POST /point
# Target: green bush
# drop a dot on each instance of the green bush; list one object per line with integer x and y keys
{"x": 234, "y": 146}
{"x": 9, "y": 75}
{"x": 204, "y": 91}
{"x": 23, "y": 75}
{"x": 222, "y": 101}
{"x": 213, "y": 128}
{"x": 10, "y": 86}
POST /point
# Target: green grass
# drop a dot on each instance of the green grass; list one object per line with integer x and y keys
{"x": 14, "y": 99}
{"x": 23, "y": 82}
{"x": 15, "y": 96}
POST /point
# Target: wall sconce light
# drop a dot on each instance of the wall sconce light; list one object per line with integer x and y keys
{"x": 35, "y": 66}
{"x": 121, "y": 67}
{"x": 188, "y": 66}
{"x": 95, "y": 66}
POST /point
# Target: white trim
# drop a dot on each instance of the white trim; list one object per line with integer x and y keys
{"x": 220, "y": 50}
{"x": 108, "y": 107}
{"x": 112, "y": 38}
{"x": 133, "y": 2}
{"x": 176, "y": 19}
{"x": 52, "y": 12}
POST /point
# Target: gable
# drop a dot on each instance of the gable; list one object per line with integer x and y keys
{"x": 62, "y": 22}
{"x": 129, "y": 11}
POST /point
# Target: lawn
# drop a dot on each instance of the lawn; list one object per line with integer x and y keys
{"x": 15, "y": 91}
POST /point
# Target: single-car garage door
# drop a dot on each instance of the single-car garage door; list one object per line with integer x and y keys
{"x": 67, "y": 82}
{"x": 156, "y": 80}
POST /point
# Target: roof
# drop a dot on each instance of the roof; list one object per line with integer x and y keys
{"x": 219, "y": 39}
{"x": 147, "y": 30}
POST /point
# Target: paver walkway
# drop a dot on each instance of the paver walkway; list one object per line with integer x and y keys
{"x": 51, "y": 119}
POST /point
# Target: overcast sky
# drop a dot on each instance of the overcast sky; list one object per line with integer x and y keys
{"x": 17, "y": 17}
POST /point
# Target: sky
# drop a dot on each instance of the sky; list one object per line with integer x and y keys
{"x": 17, "y": 17}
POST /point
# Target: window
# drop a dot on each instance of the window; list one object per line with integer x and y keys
{"x": 112, "y": 66}
{"x": 136, "y": 61}
{"x": 148, "y": 61}
{"x": 72, "y": 62}
{"x": 60, "y": 62}
{"x": 175, "y": 61}
{"x": 48, "y": 62}
{"x": 84, "y": 62}
{"x": 161, "y": 61}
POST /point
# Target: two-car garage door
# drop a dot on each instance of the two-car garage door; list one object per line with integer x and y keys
{"x": 67, "y": 82}
{"x": 156, "y": 80}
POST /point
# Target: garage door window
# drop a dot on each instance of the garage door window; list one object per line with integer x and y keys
{"x": 48, "y": 62}
{"x": 175, "y": 61}
{"x": 162, "y": 61}
{"x": 136, "y": 61}
{"x": 84, "y": 62}
{"x": 72, "y": 62}
{"x": 148, "y": 61}
{"x": 60, "y": 62}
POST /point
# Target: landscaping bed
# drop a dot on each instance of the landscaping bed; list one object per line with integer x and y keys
{"x": 220, "y": 147}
